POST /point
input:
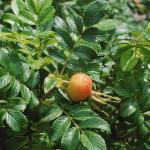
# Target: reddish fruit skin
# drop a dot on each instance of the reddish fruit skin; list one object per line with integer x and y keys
{"x": 79, "y": 87}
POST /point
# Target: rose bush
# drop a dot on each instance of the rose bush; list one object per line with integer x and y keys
{"x": 43, "y": 43}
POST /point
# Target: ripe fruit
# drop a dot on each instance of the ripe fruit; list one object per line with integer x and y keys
{"x": 79, "y": 87}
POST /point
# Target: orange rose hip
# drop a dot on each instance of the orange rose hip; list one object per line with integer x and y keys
{"x": 79, "y": 87}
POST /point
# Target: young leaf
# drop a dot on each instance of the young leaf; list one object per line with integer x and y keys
{"x": 70, "y": 139}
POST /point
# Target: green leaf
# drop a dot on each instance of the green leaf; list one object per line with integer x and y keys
{"x": 147, "y": 113}
{"x": 17, "y": 103}
{"x": 34, "y": 102}
{"x": 14, "y": 89}
{"x": 33, "y": 6}
{"x": 95, "y": 122}
{"x": 17, "y": 5}
{"x": 92, "y": 45}
{"x": 82, "y": 112}
{"x": 16, "y": 142}
{"x": 94, "y": 12}
{"x": 11, "y": 18}
{"x": 41, "y": 141}
{"x": 59, "y": 23}
{"x": 4, "y": 81}
{"x": 108, "y": 24}
{"x": 44, "y": 5}
{"x": 128, "y": 61}
{"x": 15, "y": 67}
{"x": 143, "y": 129}
{"x": 19, "y": 141}
{"x": 49, "y": 113}
{"x": 145, "y": 51}
{"x": 87, "y": 50}
{"x": 121, "y": 49}
{"x": 93, "y": 141}
{"x": 78, "y": 108}
{"x": 128, "y": 107}
{"x": 27, "y": 17}
{"x": 14, "y": 7}
{"x": 49, "y": 83}
{"x": 26, "y": 94}
{"x": 21, "y": 5}
{"x": 65, "y": 39}
{"x": 40, "y": 63}
{"x": 33, "y": 79}
{"x": 46, "y": 15}
{"x": 2, "y": 116}
{"x": 124, "y": 91}
{"x": 59, "y": 127}
{"x": 84, "y": 115}
{"x": 70, "y": 139}
{"x": 93, "y": 34}
{"x": 16, "y": 120}
{"x": 57, "y": 55}
{"x": 26, "y": 71}
{"x": 75, "y": 24}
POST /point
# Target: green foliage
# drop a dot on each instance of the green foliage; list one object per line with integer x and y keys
{"x": 43, "y": 43}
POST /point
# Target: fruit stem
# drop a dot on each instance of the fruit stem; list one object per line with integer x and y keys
{"x": 105, "y": 95}
{"x": 65, "y": 81}
{"x": 95, "y": 106}
{"x": 100, "y": 100}
{"x": 107, "y": 99}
